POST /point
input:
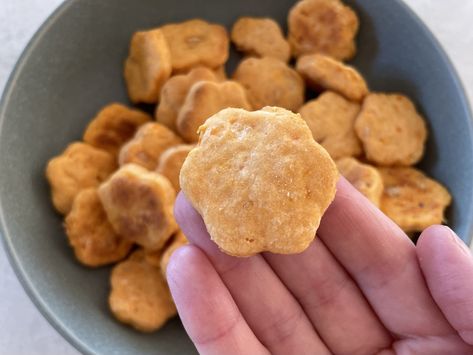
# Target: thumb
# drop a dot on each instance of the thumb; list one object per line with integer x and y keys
{"x": 447, "y": 265}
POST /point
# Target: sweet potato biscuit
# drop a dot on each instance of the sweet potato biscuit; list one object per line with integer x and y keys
{"x": 92, "y": 237}
{"x": 139, "y": 294}
{"x": 80, "y": 166}
{"x": 331, "y": 119}
{"x": 323, "y": 72}
{"x": 139, "y": 206}
{"x": 365, "y": 178}
{"x": 270, "y": 82}
{"x": 171, "y": 161}
{"x": 113, "y": 126}
{"x": 155, "y": 257}
{"x": 205, "y": 99}
{"x": 259, "y": 180}
{"x": 391, "y": 130}
{"x": 221, "y": 73}
{"x": 260, "y": 37}
{"x": 178, "y": 241}
{"x": 413, "y": 200}
{"x": 150, "y": 141}
{"x": 174, "y": 93}
{"x": 196, "y": 42}
{"x": 148, "y": 66}
{"x": 323, "y": 26}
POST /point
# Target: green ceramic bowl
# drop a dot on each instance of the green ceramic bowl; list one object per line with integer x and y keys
{"x": 73, "y": 66}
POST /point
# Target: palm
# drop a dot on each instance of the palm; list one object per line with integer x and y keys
{"x": 361, "y": 288}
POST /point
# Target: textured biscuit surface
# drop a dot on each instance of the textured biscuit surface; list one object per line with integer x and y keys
{"x": 171, "y": 161}
{"x": 139, "y": 205}
{"x": 205, "y": 99}
{"x": 259, "y": 180}
{"x": 153, "y": 257}
{"x": 174, "y": 93}
{"x": 196, "y": 42}
{"x": 113, "y": 126}
{"x": 148, "y": 66}
{"x": 331, "y": 118}
{"x": 139, "y": 294}
{"x": 80, "y": 166}
{"x": 160, "y": 258}
{"x": 221, "y": 73}
{"x": 365, "y": 178}
{"x": 260, "y": 37}
{"x": 413, "y": 200}
{"x": 92, "y": 237}
{"x": 391, "y": 130}
{"x": 270, "y": 82}
{"x": 323, "y": 72}
{"x": 323, "y": 26}
{"x": 178, "y": 241}
{"x": 149, "y": 142}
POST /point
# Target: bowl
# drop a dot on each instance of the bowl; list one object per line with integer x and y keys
{"x": 73, "y": 66}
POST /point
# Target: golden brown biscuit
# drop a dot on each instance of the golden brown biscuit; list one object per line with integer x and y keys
{"x": 331, "y": 119}
{"x": 413, "y": 200}
{"x": 139, "y": 206}
{"x": 391, "y": 130}
{"x": 150, "y": 141}
{"x": 365, "y": 178}
{"x": 113, "y": 126}
{"x": 204, "y": 99}
{"x": 178, "y": 241}
{"x": 80, "y": 166}
{"x": 139, "y": 294}
{"x": 270, "y": 82}
{"x": 259, "y": 180}
{"x": 155, "y": 257}
{"x": 174, "y": 93}
{"x": 323, "y": 72}
{"x": 171, "y": 161}
{"x": 323, "y": 26}
{"x": 260, "y": 37}
{"x": 196, "y": 42}
{"x": 92, "y": 237}
{"x": 221, "y": 73}
{"x": 148, "y": 66}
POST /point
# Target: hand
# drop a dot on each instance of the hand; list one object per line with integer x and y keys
{"x": 362, "y": 287}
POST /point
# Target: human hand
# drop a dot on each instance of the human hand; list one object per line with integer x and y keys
{"x": 362, "y": 287}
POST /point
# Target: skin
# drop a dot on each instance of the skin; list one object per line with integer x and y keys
{"x": 362, "y": 287}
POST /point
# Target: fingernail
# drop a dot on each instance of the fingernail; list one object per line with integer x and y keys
{"x": 458, "y": 242}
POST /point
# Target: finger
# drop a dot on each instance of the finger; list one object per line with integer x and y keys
{"x": 335, "y": 305}
{"x": 447, "y": 265}
{"x": 273, "y": 314}
{"x": 438, "y": 345}
{"x": 206, "y": 308}
{"x": 382, "y": 261}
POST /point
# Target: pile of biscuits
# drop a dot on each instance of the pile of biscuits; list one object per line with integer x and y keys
{"x": 117, "y": 187}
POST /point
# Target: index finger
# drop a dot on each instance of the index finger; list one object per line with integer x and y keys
{"x": 256, "y": 290}
{"x": 382, "y": 261}
{"x": 206, "y": 308}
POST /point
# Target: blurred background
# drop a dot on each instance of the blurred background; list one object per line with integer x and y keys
{"x": 24, "y": 330}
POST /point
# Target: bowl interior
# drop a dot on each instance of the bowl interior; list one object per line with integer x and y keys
{"x": 73, "y": 67}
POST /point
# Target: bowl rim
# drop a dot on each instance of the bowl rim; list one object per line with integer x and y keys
{"x": 13, "y": 259}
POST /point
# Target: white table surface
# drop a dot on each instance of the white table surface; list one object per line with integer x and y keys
{"x": 22, "y": 328}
